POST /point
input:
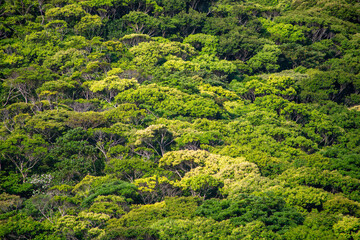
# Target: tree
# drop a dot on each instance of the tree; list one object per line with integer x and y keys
{"x": 88, "y": 26}
{"x": 149, "y": 54}
{"x": 156, "y": 137}
{"x": 130, "y": 169}
{"x": 213, "y": 64}
{"x": 201, "y": 185}
{"x": 106, "y": 9}
{"x": 240, "y": 44}
{"x": 196, "y": 228}
{"x": 111, "y": 205}
{"x": 50, "y": 124}
{"x": 26, "y": 80}
{"x": 347, "y": 228}
{"x": 9, "y": 202}
{"x": 109, "y": 139}
{"x": 281, "y": 32}
{"x": 59, "y": 26}
{"x": 266, "y": 59}
{"x": 169, "y": 102}
{"x": 23, "y": 226}
{"x": 269, "y": 209}
{"x": 126, "y": 113}
{"x": 24, "y": 152}
{"x": 86, "y": 120}
{"x": 134, "y": 39}
{"x": 141, "y": 22}
{"x": 172, "y": 7}
{"x": 111, "y": 187}
{"x": 189, "y": 22}
{"x": 205, "y": 44}
{"x": 155, "y": 188}
{"x": 111, "y": 85}
{"x": 65, "y": 61}
{"x": 52, "y": 90}
{"x": 73, "y": 157}
{"x": 71, "y": 13}
{"x": 183, "y": 161}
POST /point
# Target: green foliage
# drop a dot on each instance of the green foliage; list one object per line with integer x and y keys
{"x": 330, "y": 181}
{"x": 24, "y": 152}
{"x": 266, "y": 59}
{"x": 245, "y": 209}
{"x": 70, "y": 13}
{"x": 22, "y": 226}
{"x": 282, "y": 32}
{"x": 8, "y": 202}
{"x": 127, "y": 190}
{"x": 156, "y": 137}
{"x": 169, "y": 102}
{"x": 65, "y": 61}
{"x": 112, "y": 86}
{"x": 170, "y": 119}
{"x": 149, "y": 54}
{"x": 88, "y": 25}
{"x": 206, "y": 44}
{"x": 110, "y": 205}
{"x": 141, "y": 22}
{"x": 74, "y": 157}
{"x": 198, "y": 228}
{"x": 347, "y": 228}
{"x": 11, "y": 183}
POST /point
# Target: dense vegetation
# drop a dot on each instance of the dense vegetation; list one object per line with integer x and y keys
{"x": 179, "y": 119}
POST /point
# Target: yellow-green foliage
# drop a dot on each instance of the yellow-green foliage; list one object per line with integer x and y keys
{"x": 112, "y": 83}
{"x": 147, "y": 54}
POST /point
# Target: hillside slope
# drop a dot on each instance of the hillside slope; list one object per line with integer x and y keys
{"x": 169, "y": 119}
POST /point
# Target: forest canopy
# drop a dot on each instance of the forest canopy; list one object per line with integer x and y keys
{"x": 180, "y": 119}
